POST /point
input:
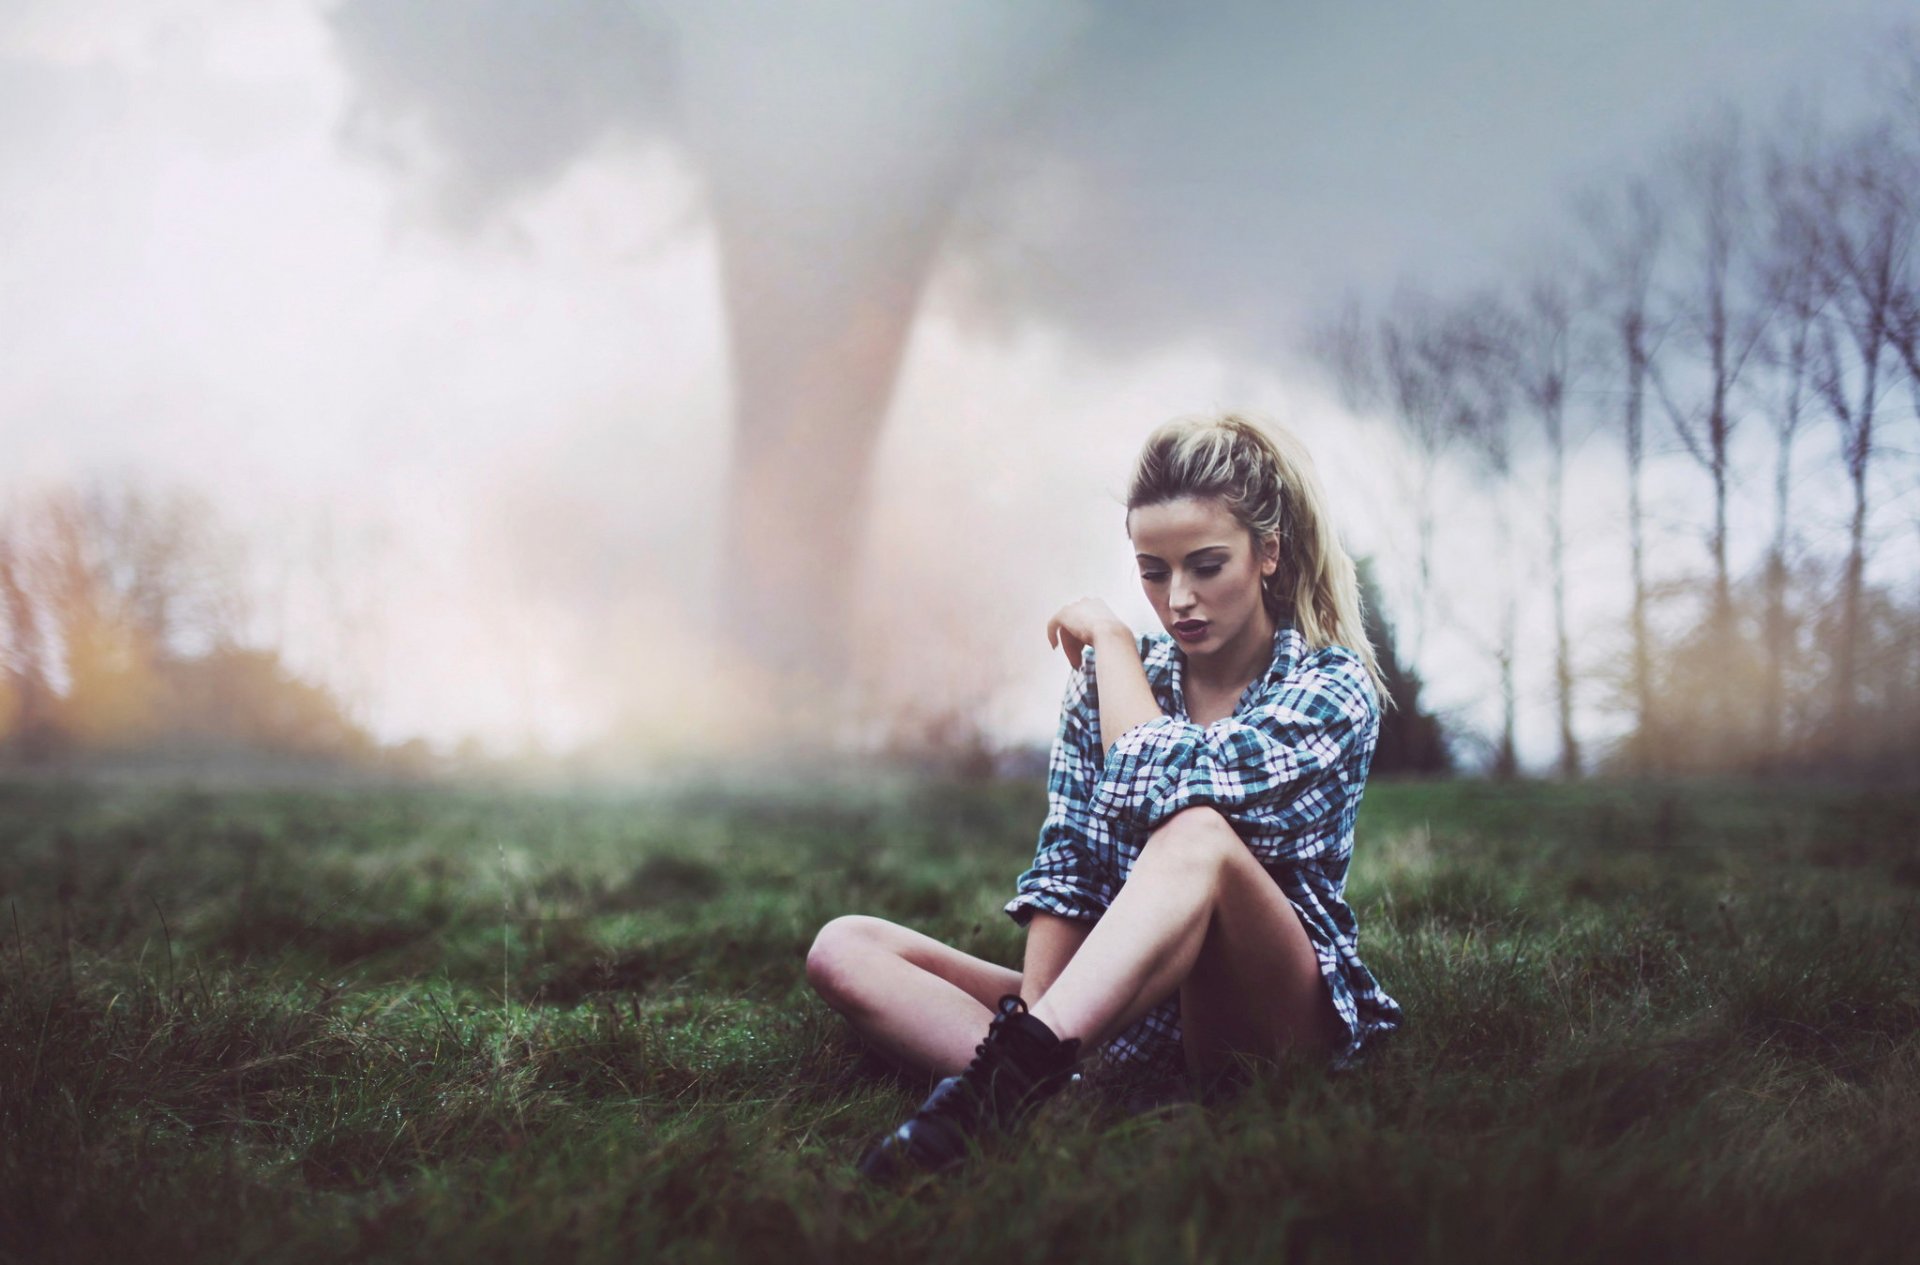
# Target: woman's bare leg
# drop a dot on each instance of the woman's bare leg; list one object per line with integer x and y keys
{"x": 1197, "y": 914}
{"x": 923, "y": 1003}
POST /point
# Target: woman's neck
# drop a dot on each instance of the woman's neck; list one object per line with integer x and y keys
{"x": 1233, "y": 667}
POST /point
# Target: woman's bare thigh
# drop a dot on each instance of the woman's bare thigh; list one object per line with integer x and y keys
{"x": 1256, "y": 987}
{"x": 986, "y": 982}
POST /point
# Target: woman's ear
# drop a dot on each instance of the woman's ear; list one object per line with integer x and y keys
{"x": 1270, "y": 554}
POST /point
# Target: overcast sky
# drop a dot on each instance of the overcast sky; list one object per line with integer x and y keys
{"x": 424, "y": 295}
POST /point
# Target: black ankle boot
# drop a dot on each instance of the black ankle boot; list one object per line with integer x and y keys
{"x": 1019, "y": 1066}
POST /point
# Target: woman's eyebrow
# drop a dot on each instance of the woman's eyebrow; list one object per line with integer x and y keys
{"x": 1147, "y": 557}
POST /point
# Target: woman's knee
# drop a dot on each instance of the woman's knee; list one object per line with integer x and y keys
{"x": 1198, "y": 836}
{"x": 839, "y": 951}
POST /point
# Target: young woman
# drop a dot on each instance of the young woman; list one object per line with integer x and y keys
{"x": 1185, "y": 904}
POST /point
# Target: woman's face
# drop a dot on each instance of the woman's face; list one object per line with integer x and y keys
{"x": 1201, "y": 572}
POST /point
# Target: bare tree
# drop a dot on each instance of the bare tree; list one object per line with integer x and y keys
{"x": 102, "y": 589}
{"x": 1626, "y": 233}
{"x": 1791, "y": 276}
{"x": 1438, "y": 370}
{"x": 160, "y": 561}
{"x": 1473, "y": 342}
{"x": 1721, "y": 320}
{"x": 1403, "y": 363}
{"x": 1903, "y": 158}
{"x": 25, "y": 720}
{"x": 1536, "y": 343}
{"x": 1858, "y": 212}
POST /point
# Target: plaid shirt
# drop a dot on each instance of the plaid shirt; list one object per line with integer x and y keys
{"x": 1287, "y": 769}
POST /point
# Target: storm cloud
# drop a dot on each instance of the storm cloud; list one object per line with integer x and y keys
{"x": 1134, "y": 176}
{"x": 467, "y": 280}
{"x": 1179, "y": 173}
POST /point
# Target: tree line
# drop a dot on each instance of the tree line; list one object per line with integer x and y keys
{"x": 1746, "y": 309}
{"x": 123, "y": 631}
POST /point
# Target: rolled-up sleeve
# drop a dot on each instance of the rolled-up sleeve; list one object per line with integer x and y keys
{"x": 1275, "y": 771}
{"x": 1065, "y": 878}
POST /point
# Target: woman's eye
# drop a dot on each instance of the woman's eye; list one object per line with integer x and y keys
{"x": 1153, "y": 575}
{"x": 1208, "y": 570}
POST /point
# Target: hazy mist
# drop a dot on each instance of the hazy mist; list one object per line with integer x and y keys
{"x": 444, "y": 304}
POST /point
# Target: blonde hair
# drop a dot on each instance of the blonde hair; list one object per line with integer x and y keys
{"x": 1266, "y": 479}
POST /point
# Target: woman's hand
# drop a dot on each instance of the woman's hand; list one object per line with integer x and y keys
{"x": 1076, "y": 625}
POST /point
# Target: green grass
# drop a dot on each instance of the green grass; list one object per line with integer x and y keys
{"x": 1677, "y": 1022}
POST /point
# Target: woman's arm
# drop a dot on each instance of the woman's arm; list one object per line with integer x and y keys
{"x": 1051, "y": 943}
{"x": 1126, "y": 699}
{"x": 1065, "y": 879}
{"x": 1279, "y": 773}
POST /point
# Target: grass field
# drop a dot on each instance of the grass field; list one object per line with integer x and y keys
{"x": 1648, "y": 1022}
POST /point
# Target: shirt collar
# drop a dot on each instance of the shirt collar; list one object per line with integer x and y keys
{"x": 1289, "y": 648}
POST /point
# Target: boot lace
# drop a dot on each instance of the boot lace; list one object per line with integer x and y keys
{"x": 994, "y": 1083}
